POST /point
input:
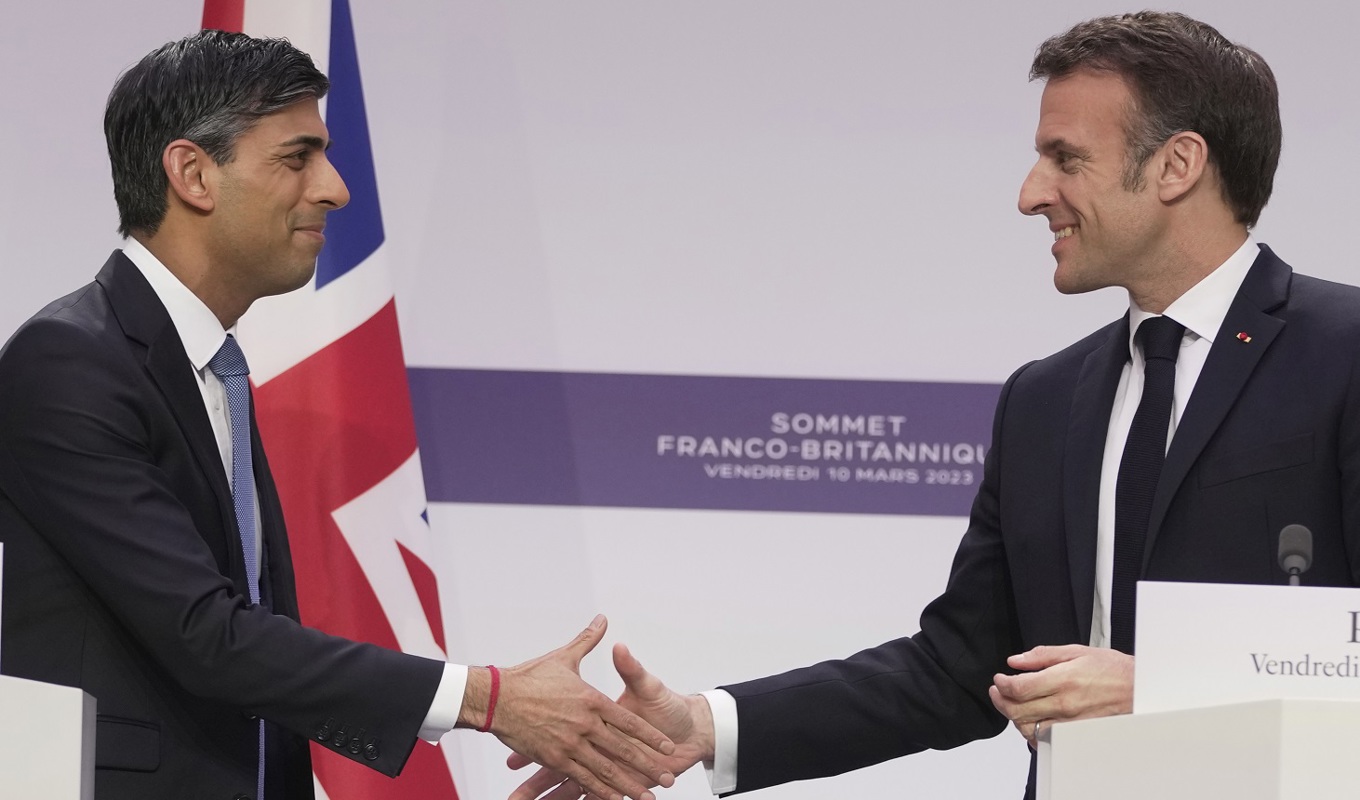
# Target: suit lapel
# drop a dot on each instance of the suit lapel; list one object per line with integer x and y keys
{"x": 277, "y": 569}
{"x": 145, "y": 320}
{"x": 1226, "y": 371}
{"x": 1086, "y": 430}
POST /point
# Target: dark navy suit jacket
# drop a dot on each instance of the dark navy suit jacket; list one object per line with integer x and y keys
{"x": 1269, "y": 437}
{"x": 124, "y": 574}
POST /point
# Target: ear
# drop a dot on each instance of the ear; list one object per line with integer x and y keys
{"x": 191, "y": 173}
{"x": 1183, "y": 161}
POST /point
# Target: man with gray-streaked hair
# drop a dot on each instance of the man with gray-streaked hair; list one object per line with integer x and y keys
{"x": 147, "y": 561}
{"x": 1173, "y": 444}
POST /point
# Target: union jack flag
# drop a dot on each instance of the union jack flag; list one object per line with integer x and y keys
{"x": 334, "y": 409}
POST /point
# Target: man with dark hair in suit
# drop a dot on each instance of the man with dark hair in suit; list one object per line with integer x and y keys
{"x": 146, "y": 558}
{"x": 1174, "y": 444}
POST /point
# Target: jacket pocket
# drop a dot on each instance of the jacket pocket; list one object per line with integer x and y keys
{"x": 129, "y": 744}
{"x": 1283, "y": 454}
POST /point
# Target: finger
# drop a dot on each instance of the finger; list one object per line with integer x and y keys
{"x": 537, "y": 784}
{"x": 999, "y": 701}
{"x": 636, "y": 727}
{"x": 601, "y": 777}
{"x": 625, "y": 752}
{"x": 566, "y": 790}
{"x": 593, "y": 785}
{"x": 1045, "y": 656}
{"x": 1030, "y": 686}
{"x": 1014, "y": 688}
{"x": 1025, "y": 711}
{"x": 517, "y": 761}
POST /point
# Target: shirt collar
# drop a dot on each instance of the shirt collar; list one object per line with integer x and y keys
{"x": 1204, "y": 306}
{"x": 198, "y": 327}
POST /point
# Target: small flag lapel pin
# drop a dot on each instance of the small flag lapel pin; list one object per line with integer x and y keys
{"x": 1244, "y": 337}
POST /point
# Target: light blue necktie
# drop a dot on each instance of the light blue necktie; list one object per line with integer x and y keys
{"x": 229, "y": 365}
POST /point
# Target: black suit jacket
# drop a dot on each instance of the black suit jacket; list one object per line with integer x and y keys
{"x": 1269, "y": 437}
{"x": 124, "y": 573}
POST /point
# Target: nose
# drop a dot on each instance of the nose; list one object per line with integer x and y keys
{"x": 330, "y": 188}
{"x": 1036, "y": 193}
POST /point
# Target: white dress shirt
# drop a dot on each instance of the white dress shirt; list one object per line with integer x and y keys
{"x": 1201, "y": 310}
{"x": 202, "y": 335}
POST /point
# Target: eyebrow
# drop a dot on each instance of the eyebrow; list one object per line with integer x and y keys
{"x": 1053, "y": 145}
{"x": 315, "y": 142}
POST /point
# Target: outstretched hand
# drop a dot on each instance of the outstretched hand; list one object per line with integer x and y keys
{"x": 686, "y": 720}
{"x": 547, "y": 714}
{"x": 1063, "y": 683}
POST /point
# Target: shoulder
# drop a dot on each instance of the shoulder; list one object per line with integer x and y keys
{"x": 1315, "y": 298}
{"x": 1066, "y": 365}
{"x": 73, "y": 354}
{"x": 65, "y": 328}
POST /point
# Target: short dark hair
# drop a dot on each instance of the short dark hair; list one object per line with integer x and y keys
{"x": 1184, "y": 76}
{"x": 209, "y": 88}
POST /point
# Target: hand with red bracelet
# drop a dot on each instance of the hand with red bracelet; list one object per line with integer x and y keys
{"x": 545, "y": 712}
{"x": 686, "y": 719}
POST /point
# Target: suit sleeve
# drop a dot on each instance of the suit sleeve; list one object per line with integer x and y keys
{"x": 927, "y": 691}
{"x": 82, "y": 460}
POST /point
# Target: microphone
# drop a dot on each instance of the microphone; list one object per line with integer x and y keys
{"x": 1296, "y": 551}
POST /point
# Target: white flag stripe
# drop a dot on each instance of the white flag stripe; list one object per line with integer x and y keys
{"x": 305, "y": 23}
{"x": 372, "y": 524}
{"x": 279, "y": 333}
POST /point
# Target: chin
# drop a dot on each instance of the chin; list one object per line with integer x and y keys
{"x": 295, "y": 280}
{"x": 1067, "y": 283}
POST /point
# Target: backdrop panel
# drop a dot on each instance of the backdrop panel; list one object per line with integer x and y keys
{"x": 610, "y": 222}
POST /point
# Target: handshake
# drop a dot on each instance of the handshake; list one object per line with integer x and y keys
{"x": 588, "y": 745}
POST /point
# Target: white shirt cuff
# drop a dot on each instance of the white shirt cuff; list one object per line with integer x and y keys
{"x": 722, "y": 773}
{"x": 443, "y": 714}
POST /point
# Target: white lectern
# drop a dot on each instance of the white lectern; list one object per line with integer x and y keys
{"x": 46, "y": 741}
{"x": 1247, "y": 692}
{"x": 1261, "y": 750}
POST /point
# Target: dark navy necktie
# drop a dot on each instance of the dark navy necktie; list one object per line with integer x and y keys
{"x": 229, "y": 365}
{"x": 1140, "y": 468}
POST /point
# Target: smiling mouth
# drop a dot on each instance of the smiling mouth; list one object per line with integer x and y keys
{"x": 1063, "y": 233}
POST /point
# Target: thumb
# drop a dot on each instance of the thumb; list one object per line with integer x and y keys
{"x": 636, "y": 679}
{"x": 586, "y": 640}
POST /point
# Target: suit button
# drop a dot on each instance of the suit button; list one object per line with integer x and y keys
{"x": 323, "y": 732}
{"x": 247, "y": 715}
{"x": 241, "y": 797}
{"x": 356, "y": 744}
{"x": 371, "y": 751}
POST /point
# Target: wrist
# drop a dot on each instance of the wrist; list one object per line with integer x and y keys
{"x": 701, "y": 715}
{"x": 476, "y": 697}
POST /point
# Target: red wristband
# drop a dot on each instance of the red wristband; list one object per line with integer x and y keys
{"x": 495, "y": 694}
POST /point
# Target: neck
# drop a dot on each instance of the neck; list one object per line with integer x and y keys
{"x": 1183, "y": 265}
{"x": 192, "y": 267}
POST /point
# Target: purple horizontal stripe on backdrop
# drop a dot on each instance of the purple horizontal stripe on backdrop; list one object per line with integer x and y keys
{"x": 671, "y": 441}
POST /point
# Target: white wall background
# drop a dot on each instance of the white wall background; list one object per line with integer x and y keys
{"x": 797, "y": 188}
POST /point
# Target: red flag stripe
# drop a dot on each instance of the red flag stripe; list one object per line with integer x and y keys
{"x": 335, "y": 425}
{"x": 224, "y": 15}
{"x": 342, "y": 414}
{"x": 427, "y": 589}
